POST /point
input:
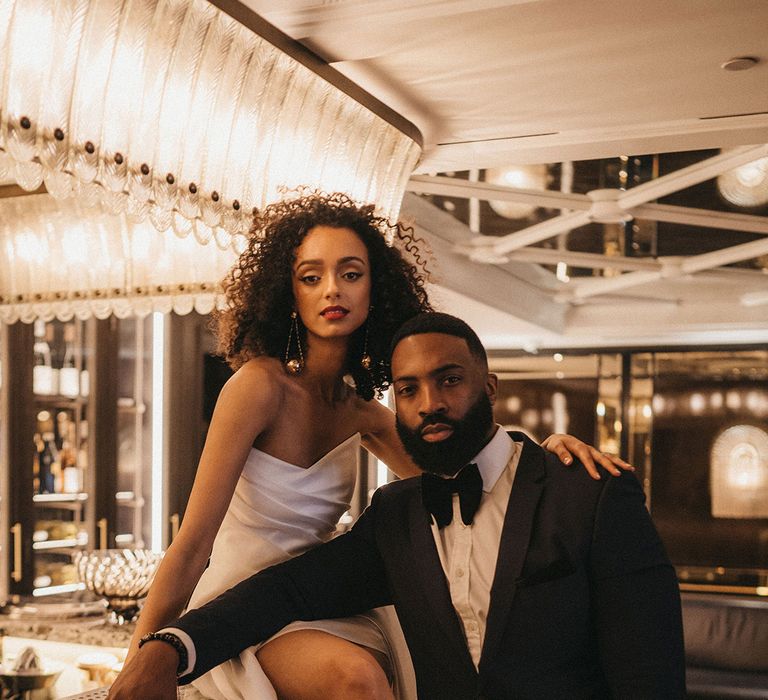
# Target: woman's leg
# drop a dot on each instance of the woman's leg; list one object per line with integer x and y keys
{"x": 315, "y": 665}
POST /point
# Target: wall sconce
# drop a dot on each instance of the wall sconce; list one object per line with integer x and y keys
{"x": 739, "y": 473}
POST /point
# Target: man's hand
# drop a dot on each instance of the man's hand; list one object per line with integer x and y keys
{"x": 150, "y": 674}
{"x": 565, "y": 446}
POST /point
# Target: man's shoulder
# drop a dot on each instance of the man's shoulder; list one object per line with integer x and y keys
{"x": 570, "y": 485}
{"x": 575, "y": 483}
{"x": 400, "y": 488}
{"x": 547, "y": 465}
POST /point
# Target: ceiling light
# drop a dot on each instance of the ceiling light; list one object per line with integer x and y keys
{"x": 527, "y": 177}
{"x": 170, "y": 110}
{"x": 64, "y": 259}
{"x": 747, "y": 185}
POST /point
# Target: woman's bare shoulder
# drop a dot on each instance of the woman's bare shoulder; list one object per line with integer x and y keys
{"x": 259, "y": 380}
{"x": 252, "y": 397}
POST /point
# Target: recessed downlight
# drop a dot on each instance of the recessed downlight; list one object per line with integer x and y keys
{"x": 740, "y": 63}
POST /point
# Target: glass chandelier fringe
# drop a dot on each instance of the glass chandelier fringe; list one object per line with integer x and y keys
{"x": 172, "y": 112}
{"x": 64, "y": 260}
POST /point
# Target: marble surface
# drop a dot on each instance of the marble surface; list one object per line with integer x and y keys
{"x": 89, "y": 631}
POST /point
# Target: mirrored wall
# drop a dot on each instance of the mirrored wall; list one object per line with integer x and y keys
{"x": 695, "y": 424}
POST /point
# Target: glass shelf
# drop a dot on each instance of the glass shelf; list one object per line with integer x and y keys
{"x": 60, "y": 401}
{"x": 58, "y": 498}
{"x": 59, "y": 544}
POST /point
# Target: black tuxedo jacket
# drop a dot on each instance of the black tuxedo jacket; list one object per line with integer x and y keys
{"x": 584, "y": 602}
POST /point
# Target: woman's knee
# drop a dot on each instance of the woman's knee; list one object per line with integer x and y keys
{"x": 357, "y": 675}
{"x": 310, "y": 665}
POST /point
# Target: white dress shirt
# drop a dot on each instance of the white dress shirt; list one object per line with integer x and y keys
{"x": 468, "y": 553}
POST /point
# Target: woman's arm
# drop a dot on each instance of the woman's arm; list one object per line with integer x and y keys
{"x": 245, "y": 409}
{"x": 381, "y": 439}
{"x": 339, "y": 578}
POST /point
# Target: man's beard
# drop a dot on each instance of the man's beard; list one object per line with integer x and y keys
{"x": 446, "y": 457}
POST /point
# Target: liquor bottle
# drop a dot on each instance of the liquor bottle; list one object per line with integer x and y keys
{"x": 58, "y": 476}
{"x": 36, "y": 463}
{"x": 49, "y": 465}
{"x": 82, "y": 452}
{"x": 68, "y": 456}
{"x": 69, "y": 375}
{"x": 85, "y": 381}
{"x": 43, "y": 373}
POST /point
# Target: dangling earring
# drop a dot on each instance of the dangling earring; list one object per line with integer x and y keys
{"x": 294, "y": 365}
{"x": 366, "y": 361}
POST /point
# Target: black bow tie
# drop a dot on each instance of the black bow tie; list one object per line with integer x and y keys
{"x": 437, "y": 494}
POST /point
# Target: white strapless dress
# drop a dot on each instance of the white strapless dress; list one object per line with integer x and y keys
{"x": 278, "y": 511}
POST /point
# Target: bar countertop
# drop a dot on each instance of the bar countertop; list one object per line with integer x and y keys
{"x": 89, "y": 631}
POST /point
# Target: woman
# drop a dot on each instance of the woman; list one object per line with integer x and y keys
{"x": 315, "y": 298}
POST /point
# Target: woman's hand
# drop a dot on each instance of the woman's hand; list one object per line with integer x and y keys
{"x": 565, "y": 446}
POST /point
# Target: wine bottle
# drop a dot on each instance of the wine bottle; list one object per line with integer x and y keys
{"x": 48, "y": 464}
{"x": 69, "y": 469}
{"x": 42, "y": 373}
{"x": 82, "y": 453}
{"x": 69, "y": 375}
{"x": 36, "y": 463}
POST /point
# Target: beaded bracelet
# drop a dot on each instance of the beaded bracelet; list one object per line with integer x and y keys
{"x": 174, "y": 641}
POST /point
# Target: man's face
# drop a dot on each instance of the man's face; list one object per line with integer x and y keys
{"x": 444, "y": 397}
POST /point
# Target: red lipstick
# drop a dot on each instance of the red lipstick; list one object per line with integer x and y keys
{"x": 333, "y": 313}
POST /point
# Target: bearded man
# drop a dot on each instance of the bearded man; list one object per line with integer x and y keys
{"x": 512, "y": 575}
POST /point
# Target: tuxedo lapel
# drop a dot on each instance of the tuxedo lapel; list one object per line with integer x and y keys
{"x": 515, "y": 535}
{"x": 430, "y": 576}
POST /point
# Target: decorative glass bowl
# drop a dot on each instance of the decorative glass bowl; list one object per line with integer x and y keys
{"x": 30, "y": 676}
{"x": 121, "y": 576}
{"x": 28, "y": 684}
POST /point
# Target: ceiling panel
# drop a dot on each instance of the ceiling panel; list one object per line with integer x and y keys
{"x": 493, "y": 83}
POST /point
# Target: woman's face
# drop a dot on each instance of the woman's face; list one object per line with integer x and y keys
{"x": 332, "y": 281}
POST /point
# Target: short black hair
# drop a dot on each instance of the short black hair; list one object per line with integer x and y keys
{"x": 436, "y": 322}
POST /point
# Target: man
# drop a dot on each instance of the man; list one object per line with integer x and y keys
{"x": 534, "y": 581}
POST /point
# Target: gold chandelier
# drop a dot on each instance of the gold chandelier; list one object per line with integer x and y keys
{"x": 174, "y": 112}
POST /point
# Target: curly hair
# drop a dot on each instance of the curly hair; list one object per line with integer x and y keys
{"x": 260, "y": 283}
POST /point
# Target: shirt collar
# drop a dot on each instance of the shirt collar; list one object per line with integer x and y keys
{"x": 492, "y": 460}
